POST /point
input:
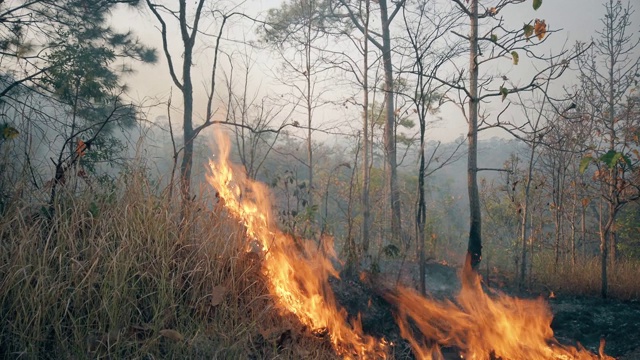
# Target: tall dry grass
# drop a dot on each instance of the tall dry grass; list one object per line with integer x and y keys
{"x": 114, "y": 275}
{"x": 584, "y": 277}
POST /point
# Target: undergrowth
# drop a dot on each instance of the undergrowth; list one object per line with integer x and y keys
{"x": 584, "y": 277}
{"x": 117, "y": 275}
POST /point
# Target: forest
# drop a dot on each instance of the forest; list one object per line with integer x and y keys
{"x": 319, "y": 179}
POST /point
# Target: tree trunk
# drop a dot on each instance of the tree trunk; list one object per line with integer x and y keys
{"x": 309, "y": 117}
{"x": 474, "y": 248}
{"x": 421, "y": 215}
{"x": 366, "y": 211}
{"x": 389, "y": 133}
{"x": 187, "y": 155}
{"x": 525, "y": 212}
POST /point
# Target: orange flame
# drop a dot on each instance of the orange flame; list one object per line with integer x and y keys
{"x": 478, "y": 325}
{"x": 481, "y": 326}
{"x": 298, "y": 271}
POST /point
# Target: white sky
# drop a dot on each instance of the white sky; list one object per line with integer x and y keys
{"x": 578, "y": 18}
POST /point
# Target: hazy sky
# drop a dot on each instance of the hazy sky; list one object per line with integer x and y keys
{"x": 577, "y": 18}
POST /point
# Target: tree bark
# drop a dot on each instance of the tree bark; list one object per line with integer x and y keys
{"x": 389, "y": 131}
{"x": 366, "y": 213}
{"x": 474, "y": 248}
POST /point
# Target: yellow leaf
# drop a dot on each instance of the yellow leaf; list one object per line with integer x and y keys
{"x": 171, "y": 335}
{"x": 516, "y": 57}
{"x": 9, "y": 132}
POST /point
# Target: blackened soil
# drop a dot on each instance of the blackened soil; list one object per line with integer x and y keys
{"x": 588, "y": 319}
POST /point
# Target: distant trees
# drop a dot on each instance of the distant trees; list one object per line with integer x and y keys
{"x": 609, "y": 75}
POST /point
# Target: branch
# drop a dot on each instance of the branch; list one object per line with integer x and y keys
{"x": 165, "y": 45}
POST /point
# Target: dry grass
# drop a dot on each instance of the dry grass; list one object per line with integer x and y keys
{"x": 115, "y": 276}
{"x": 583, "y": 278}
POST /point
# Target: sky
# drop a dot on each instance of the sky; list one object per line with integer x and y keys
{"x": 152, "y": 84}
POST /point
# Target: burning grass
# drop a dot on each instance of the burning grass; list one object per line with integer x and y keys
{"x": 477, "y": 325}
{"x": 116, "y": 276}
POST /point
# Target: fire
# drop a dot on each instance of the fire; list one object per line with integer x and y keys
{"x": 297, "y": 270}
{"x": 478, "y": 325}
{"x": 481, "y": 326}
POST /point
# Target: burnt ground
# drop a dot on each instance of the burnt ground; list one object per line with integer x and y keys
{"x": 577, "y": 319}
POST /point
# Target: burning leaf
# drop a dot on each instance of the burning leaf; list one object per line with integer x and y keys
{"x": 171, "y": 335}
{"x": 540, "y": 28}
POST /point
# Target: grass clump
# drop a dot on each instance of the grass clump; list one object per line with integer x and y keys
{"x": 116, "y": 275}
{"x": 584, "y": 277}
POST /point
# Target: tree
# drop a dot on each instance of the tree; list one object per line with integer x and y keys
{"x": 295, "y": 31}
{"x": 253, "y": 115}
{"x": 31, "y": 30}
{"x": 495, "y": 44}
{"x": 382, "y": 41}
{"x": 613, "y": 110}
{"x": 59, "y": 56}
{"x": 425, "y": 26}
{"x": 188, "y": 24}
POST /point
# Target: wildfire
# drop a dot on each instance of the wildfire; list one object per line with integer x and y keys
{"x": 480, "y": 326}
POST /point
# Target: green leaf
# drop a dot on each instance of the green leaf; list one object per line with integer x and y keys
{"x": 528, "y": 30}
{"x": 627, "y": 160}
{"x": 610, "y": 158}
{"x": 537, "y": 4}
{"x": 584, "y": 163}
{"x": 516, "y": 57}
{"x": 494, "y": 37}
{"x": 504, "y": 91}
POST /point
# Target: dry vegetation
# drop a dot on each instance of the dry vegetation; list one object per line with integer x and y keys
{"x": 116, "y": 276}
{"x": 583, "y": 278}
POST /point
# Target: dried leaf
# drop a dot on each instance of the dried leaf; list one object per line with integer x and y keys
{"x": 81, "y": 148}
{"x": 171, "y": 335}
{"x": 217, "y": 295}
{"x": 540, "y": 28}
